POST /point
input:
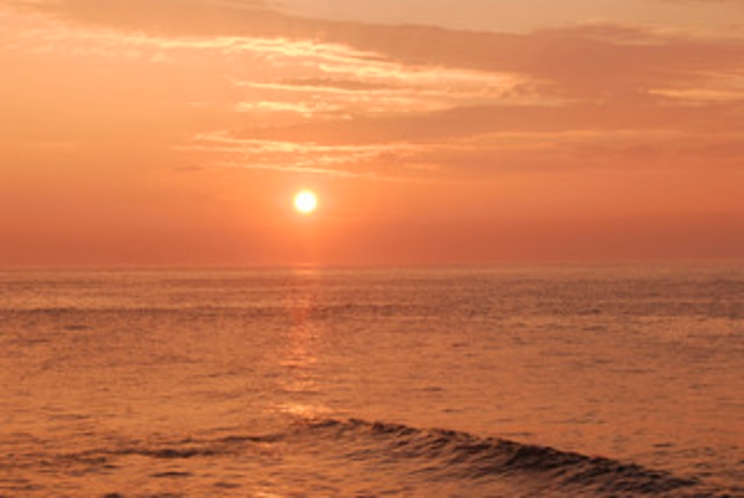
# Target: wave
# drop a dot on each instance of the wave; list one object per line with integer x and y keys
{"x": 431, "y": 462}
{"x": 453, "y": 455}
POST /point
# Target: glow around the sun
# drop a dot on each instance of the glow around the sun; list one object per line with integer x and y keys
{"x": 306, "y": 202}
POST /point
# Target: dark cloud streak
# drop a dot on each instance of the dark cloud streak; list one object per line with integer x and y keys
{"x": 466, "y": 121}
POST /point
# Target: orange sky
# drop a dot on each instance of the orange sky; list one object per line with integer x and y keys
{"x": 175, "y": 132}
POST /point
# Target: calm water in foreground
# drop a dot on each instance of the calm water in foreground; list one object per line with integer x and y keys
{"x": 614, "y": 381}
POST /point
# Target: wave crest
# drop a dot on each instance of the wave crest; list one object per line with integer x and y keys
{"x": 447, "y": 454}
{"x": 363, "y": 458}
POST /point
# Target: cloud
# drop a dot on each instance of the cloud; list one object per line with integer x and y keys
{"x": 383, "y": 89}
{"x": 399, "y": 68}
{"x": 476, "y": 120}
{"x": 705, "y": 89}
{"x": 347, "y": 161}
{"x": 472, "y": 157}
{"x": 590, "y": 60}
{"x": 352, "y": 99}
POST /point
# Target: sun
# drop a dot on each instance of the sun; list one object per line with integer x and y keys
{"x": 306, "y": 202}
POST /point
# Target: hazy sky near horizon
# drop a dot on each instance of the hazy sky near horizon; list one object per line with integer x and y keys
{"x": 175, "y": 132}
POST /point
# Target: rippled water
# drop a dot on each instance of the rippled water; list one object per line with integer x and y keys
{"x": 614, "y": 381}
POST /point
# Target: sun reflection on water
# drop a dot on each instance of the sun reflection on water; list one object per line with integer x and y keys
{"x": 299, "y": 379}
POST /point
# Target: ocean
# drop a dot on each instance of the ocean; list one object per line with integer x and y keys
{"x": 607, "y": 381}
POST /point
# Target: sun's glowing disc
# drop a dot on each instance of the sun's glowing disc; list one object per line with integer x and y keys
{"x": 306, "y": 202}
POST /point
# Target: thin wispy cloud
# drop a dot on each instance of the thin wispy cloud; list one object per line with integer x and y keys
{"x": 381, "y": 161}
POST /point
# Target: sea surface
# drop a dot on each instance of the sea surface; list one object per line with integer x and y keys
{"x": 620, "y": 381}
